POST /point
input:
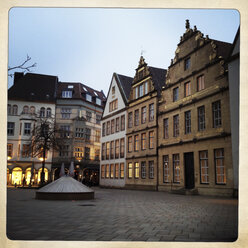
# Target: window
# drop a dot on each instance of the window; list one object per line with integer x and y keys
{"x": 187, "y": 122}
{"x": 48, "y": 112}
{"x": 122, "y": 122}
{"x": 65, "y": 113}
{"x": 151, "y": 112}
{"x": 146, "y": 88}
{"x": 117, "y": 149}
{"x": 216, "y": 114}
{"x": 87, "y": 134}
{"x": 121, "y": 170}
{"x": 79, "y": 132}
{"x": 111, "y": 149}
{"x": 15, "y": 110}
{"x": 11, "y": 128}
{"x": 64, "y": 151}
{"x": 113, "y": 90}
{"x": 97, "y": 136}
{"x": 176, "y": 168}
{"x": 9, "y": 109}
{"x": 166, "y": 129}
{"x": 136, "y": 92}
{"x": 112, "y": 126}
{"x": 143, "y": 141}
{"x": 201, "y": 118}
{"x": 136, "y": 143}
{"x": 187, "y": 89}
{"x": 176, "y": 125}
{"x": 175, "y": 94}
{"x": 25, "y": 110}
{"x": 88, "y": 98}
{"x": 67, "y": 94}
{"x": 25, "y": 150}
{"x": 117, "y": 124}
{"x": 42, "y": 112}
{"x": 136, "y": 170}
{"x": 141, "y": 90}
{"x": 87, "y": 153}
{"x": 151, "y": 140}
{"x": 107, "y": 150}
{"x": 219, "y": 166}
{"x": 103, "y": 129}
{"x": 113, "y": 105}
{"x": 112, "y": 171}
{"x": 102, "y": 170}
{"x": 203, "y": 156}
{"x": 143, "y": 115}
{"x": 136, "y": 117}
{"x": 166, "y": 171}
{"x": 122, "y": 148}
{"x": 103, "y": 150}
{"x": 88, "y": 116}
{"x": 108, "y": 128}
{"x": 9, "y": 150}
{"x": 130, "y": 119}
{"x": 98, "y": 101}
{"x": 98, "y": 119}
{"x": 187, "y": 64}
{"x": 116, "y": 170}
{"x": 107, "y": 171}
{"x": 143, "y": 170}
{"x": 78, "y": 152}
{"x": 130, "y": 144}
{"x": 151, "y": 169}
{"x": 32, "y": 111}
{"x": 27, "y": 128}
{"x": 200, "y": 83}
{"x": 130, "y": 170}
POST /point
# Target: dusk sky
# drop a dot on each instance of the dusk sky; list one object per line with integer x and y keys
{"x": 88, "y": 45}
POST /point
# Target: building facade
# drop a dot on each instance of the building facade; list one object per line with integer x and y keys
{"x": 194, "y": 145}
{"x": 142, "y": 127}
{"x": 78, "y": 114}
{"x": 113, "y": 140}
{"x": 32, "y": 96}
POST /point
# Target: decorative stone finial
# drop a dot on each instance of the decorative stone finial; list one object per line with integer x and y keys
{"x": 187, "y": 25}
{"x": 207, "y": 37}
{"x": 171, "y": 61}
{"x": 195, "y": 28}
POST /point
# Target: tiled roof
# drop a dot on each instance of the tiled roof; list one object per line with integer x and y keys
{"x": 126, "y": 84}
{"x": 223, "y": 48}
{"x": 158, "y": 77}
{"x": 33, "y": 87}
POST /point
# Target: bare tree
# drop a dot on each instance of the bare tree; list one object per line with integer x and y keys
{"x": 24, "y": 67}
{"x": 44, "y": 139}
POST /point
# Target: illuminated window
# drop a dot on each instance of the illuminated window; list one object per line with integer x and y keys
{"x": 130, "y": 170}
{"x": 9, "y": 150}
{"x": 107, "y": 170}
{"x": 151, "y": 140}
{"x": 200, "y": 83}
{"x": 97, "y": 136}
{"x": 121, "y": 170}
{"x": 116, "y": 170}
{"x": 203, "y": 156}
{"x": 46, "y": 174}
{"x": 97, "y": 154}
{"x": 111, "y": 149}
{"x": 143, "y": 141}
{"x": 220, "y": 171}
{"x": 25, "y": 150}
{"x": 102, "y": 170}
{"x": 136, "y": 143}
{"x": 112, "y": 171}
{"x": 166, "y": 171}
{"x": 107, "y": 150}
{"x": 78, "y": 152}
{"x": 136, "y": 170}
{"x": 16, "y": 176}
{"x": 176, "y": 168}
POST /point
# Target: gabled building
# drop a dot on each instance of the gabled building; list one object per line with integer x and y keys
{"x": 142, "y": 127}
{"x": 113, "y": 140}
{"x": 194, "y": 145}
{"x": 78, "y": 114}
{"x": 30, "y": 97}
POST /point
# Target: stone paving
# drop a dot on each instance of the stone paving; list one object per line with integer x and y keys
{"x": 122, "y": 215}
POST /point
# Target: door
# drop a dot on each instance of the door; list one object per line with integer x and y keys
{"x": 189, "y": 170}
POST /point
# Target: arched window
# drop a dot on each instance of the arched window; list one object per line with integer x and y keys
{"x": 42, "y": 112}
{"x": 32, "y": 110}
{"x": 14, "y": 110}
{"x": 9, "y": 109}
{"x": 39, "y": 174}
{"x": 25, "y": 110}
{"x": 17, "y": 176}
{"x": 49, "y": 112}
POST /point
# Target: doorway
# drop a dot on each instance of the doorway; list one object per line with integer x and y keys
{"x": 189, "y": 170}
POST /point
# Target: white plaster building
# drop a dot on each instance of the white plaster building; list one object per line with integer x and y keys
{"x": 31, "y": 96}
{"x": 113, "y": 138}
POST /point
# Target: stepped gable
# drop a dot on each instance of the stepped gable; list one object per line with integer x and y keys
{"x": 33, "y": 87}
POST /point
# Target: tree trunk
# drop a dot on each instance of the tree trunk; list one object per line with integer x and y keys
{"x": 42, "y": 176}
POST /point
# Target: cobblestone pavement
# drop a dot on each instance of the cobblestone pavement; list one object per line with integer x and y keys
{"x": 122, "y": 215}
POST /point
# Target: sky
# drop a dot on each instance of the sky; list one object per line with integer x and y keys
{"x": 88, "y": 45}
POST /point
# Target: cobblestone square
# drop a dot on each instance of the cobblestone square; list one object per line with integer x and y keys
{"x": 122, "y": 215}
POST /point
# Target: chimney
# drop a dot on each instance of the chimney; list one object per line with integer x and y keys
{"x": 17, "y": 76}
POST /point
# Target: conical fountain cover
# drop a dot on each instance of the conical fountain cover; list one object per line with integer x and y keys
{"x": 71, "y": 169}
{"x": 62, "y": 170}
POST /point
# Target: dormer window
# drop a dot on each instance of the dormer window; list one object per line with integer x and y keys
{"x": 84, "y": 88}
{"x": 98, "y": 101}
{"x": 88, "y": 97}
{"x": 67, "y": 94}
{"x": 187, "y": 64}
{"x": 146, "y": 87}
{"x": 113, "y": 90}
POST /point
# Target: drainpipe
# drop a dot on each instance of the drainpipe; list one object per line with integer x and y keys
{"x": 157, "y": 142}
